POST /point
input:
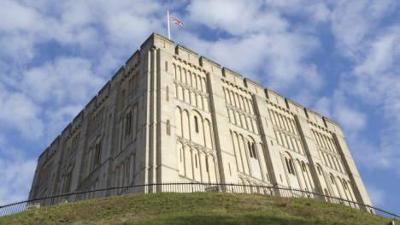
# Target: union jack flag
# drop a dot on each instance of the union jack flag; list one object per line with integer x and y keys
{"x": 177, "y": 21}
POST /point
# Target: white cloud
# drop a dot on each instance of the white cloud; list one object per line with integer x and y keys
{"x": 349, "y": 116}
{"x": 238, "y": 17}
{"x": 353, "y": 22}
{"x": 318, "y": 11}
{"x": 64, "y": 80}
{"x": 381, "y": 53}
{"x": 16, "y": 172}
{"x": 378, "y": 196}
{"x": 59, "y": 117}
{"x": 375, "y": 82}
{"x": 353, "y": 120}
{"x": 15, "y": 16}
{"x": 16, "y": 179}
{"x": 19, "y": 113}
{"x": 278, "y": 59}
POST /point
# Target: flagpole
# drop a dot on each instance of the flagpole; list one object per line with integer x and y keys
{"x": 168, "y": 26}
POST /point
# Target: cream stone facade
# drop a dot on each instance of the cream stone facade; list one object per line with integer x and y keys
{"x": 170, "y": 115}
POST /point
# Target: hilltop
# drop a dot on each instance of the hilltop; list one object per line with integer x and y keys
{"x": 195, "y": 208}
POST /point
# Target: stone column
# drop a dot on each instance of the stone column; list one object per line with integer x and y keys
{"x": 223, "y": 142}
{"x": 271, "y": 153}
{"x": 310, "y": 149}
{"x": 355, "y": 178}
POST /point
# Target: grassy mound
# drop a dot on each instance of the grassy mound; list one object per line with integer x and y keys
{"x": 195, "y": 208}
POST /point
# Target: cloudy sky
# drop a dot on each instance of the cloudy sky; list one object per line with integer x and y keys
{"x": 340, "y": 58}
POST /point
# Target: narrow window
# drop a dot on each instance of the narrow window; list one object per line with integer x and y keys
{"x": 167, "y": 93}
{"x": 128, "y": 123}
{"x": 333, "y": 180}
{"x": 195, "y": 159}
{"x": 253, "y": 148}
{"x": 291, "y": 166}
{"x": 207, "y": 165}
{"x": 196, "y": 125}
{"x": 303, "y": 166}
{"x": 287, "y": 165}
{"x": 97, "y": 155}
{"x": 319, "y": 170}
{"x": 250, "y": 150}
{"x": 168, "y": 127}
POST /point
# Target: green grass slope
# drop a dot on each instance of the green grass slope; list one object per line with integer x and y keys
{"x": 195, "y": 208}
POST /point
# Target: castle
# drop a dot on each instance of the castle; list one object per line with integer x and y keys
{"x": 170, "y": 115}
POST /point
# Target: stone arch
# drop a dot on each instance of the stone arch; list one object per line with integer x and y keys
{"x": 196, "y": 164}
{"x": 309, "y": 177}
{"x": 212, "y": 168}
{"x": 175, "y": 74}
{"x": 197, "y": 128}
{"x": 244, "y": 154}
{"x": 199, "y": 86}
{"x": 181, "y": 159}
{"x": 186, "y": 124}
{"x": 334, "y": 185}
{"x": 185, "y": 78}
{"x": 179, "y": 92}
{"x": 340, "y": 188}
{"x": 203, "y": 84}
{"x": 289, "y": 164}
{"x": 208, "y": 134}
{"x": 236, "y": 149}
{"x": 254, "y": 159}
{"x": 180, "y": 74}
{"x": 290, "y": 170}
{"x": 344, "y": 187}
{"x": 207, "y": 169}
{"x": 350, "y": 190}
{"x": 178, "y": 121}
{"x": 187, "y": 151}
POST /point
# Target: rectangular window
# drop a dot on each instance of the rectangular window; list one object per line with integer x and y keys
{"x": 128, "y": 124}
{"x": 97, "y": 155}
{"x": 252, "y": 150}
{"x": 168, "y": 127}
{"x": 196, "y": 125}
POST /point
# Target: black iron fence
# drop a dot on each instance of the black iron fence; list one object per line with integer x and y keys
{"x": 187, "y": 188}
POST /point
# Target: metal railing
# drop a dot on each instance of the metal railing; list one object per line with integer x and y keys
{"x": 18, "y": 207}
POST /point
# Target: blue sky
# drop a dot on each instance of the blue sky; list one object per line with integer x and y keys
{"x": 337, "y": 57}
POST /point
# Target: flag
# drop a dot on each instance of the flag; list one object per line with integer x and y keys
{"x": 177, "y": 21}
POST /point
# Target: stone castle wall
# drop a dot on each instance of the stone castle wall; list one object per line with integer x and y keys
{"x": 170, "y": 115}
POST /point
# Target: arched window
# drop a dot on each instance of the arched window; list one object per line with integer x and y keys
{"x": 333, "y": 179}
{"x": 303, "y": 166}
{"x": 289, "y": 165}
{"x": 252, "y": 150}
